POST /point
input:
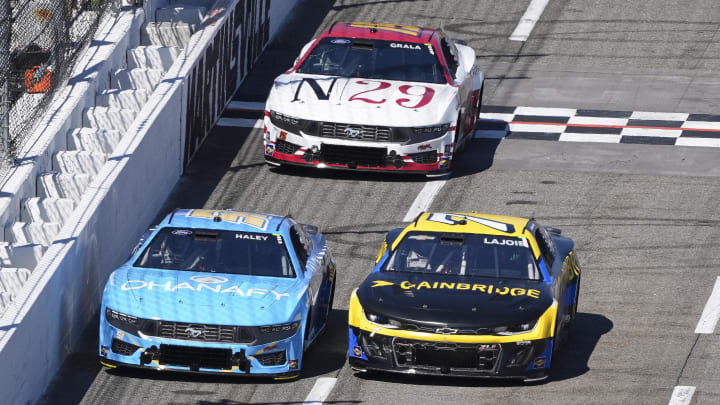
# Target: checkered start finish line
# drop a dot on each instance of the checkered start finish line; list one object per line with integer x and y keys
{"x": 578, "y": 125}
{"x": 557, "y": 124}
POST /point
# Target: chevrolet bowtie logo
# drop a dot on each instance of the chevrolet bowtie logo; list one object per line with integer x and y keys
{"x": 381, "y": 283}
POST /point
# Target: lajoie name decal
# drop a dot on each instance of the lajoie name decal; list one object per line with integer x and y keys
{"x": 505, "y": 242}
{"x": 477, "y": 288}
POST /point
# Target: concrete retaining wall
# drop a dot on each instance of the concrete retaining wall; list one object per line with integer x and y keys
{"x": 44, "y": 322}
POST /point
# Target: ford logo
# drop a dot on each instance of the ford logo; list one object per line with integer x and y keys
{"x": 208, "y": 279}
{"x": 353, "y": 132}
{"x": 195, "y": 332}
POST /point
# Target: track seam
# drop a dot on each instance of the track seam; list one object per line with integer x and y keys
{"x": 682, "y": 370}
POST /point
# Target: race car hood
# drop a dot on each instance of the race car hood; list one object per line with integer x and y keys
{"x": 195, "y": 297}
{"x": 363, "y": 101}
{"x": 454, "y": 301}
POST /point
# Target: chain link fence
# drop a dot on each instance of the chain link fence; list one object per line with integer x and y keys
{"x": 39, "y": 41}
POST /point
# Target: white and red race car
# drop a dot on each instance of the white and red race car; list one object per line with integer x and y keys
{"x": 370, "y": 96}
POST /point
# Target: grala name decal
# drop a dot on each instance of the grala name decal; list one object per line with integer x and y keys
{"x": 405, "y": 46}
{"x": 217, "y": 288}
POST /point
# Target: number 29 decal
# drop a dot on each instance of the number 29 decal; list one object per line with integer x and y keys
{"x": 417, "y": 96}
{"x": 425, "y": 94}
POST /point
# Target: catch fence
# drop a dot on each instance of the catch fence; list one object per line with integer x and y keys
{"x": 39, "y": 42}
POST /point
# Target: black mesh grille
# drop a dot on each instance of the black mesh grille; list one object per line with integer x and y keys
{"x": 196, "y": 357}
{"x": 419, "y": 327}
{"x": 272, "y": 359}
{"x": 354, "y": 132}
{"x": 204, "y": 332}
{"x": 424, "y": 157}
{"x": 353, "y": 155}
{"x": 286, "y": 147}
{"x": 123, "y": 348}
{"x": 443, "y": 355}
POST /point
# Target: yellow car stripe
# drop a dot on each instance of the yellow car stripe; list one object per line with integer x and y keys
{"x": 402, "y": 29}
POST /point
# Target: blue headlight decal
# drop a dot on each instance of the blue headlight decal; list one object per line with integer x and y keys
{"x": 354, "y": 349}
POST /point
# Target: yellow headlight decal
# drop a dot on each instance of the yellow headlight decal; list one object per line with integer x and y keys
{"x": 544, "y": 328}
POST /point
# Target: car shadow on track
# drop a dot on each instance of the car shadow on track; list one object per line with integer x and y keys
{"x": 570, "y": 362}
{"x": 477, "y": 157}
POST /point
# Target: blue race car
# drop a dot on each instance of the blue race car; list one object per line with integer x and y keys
{"x": 219, "y": 292}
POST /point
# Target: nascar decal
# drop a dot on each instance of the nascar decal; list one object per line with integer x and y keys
{"x": 457, "y": 219}
{"x": 483, "y": 288}
{"x": 401, "y": 29}
{"x": 258, "y": 221}
{"x": 320, "y": 93}
{"x": 215, "y": 284}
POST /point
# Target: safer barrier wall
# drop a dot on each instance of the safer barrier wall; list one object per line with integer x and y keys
{"x": 47, "y": 318}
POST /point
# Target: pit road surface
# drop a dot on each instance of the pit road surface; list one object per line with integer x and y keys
{"x": 644, "y": 217}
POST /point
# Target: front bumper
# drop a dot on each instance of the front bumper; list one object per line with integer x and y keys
{"x": 524, "y": 356}
{"x": 428, "y": 157}
{"x": 527, "y": 360}
{"x": 277, "y": 359}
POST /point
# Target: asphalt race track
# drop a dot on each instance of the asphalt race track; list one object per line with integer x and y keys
{"x": 645, "y": 217}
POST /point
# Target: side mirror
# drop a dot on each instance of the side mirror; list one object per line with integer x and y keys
{"x": 459, "y": 41}
{"x": 143, "y": 239}
{"x": 387, "y": 243}
{"x": 554, "y": 231}
{"x": 310, "y": 229}
{"x": 392, "y": 235}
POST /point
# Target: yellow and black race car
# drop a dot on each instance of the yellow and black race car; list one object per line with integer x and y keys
{"x": 466, "y": 294}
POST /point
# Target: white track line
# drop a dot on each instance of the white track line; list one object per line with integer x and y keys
{"x": 706, "y": 142}
{"x": 647, "y": 115}
{"x": 424, "y": 198}
{"x": 246, "y": 105}
{"x": 655, "y": 133}
{"x": 240, "y": 122}
{"x": 528, "y": 20}
{"x": 551, "y": 112}
{"x": 320, "y": 391}
{"x": 682, "y": 395}
{"x": 711, "y": 313}
{"x": 585, "y": 137}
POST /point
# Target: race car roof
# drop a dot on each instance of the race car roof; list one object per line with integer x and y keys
{"x": 225, "y": 220}
{"x": 382, "y": 31}
{"x": 470, "y": 222}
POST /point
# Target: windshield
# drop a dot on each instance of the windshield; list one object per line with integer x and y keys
{"x": 374, "y": 59}
{"x": 486, "y": 256}
{"x": 217, "y": 251}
